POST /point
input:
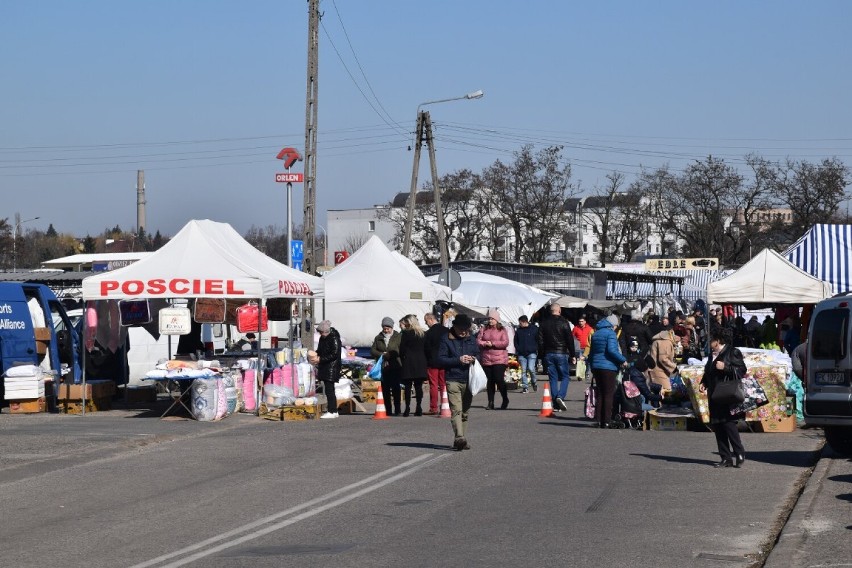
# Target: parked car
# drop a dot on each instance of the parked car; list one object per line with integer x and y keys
{"x": 828, "y": 390}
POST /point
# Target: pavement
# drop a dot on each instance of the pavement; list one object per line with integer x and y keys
{"x": 785, "y": 508}
{"x": 817, "y": 532}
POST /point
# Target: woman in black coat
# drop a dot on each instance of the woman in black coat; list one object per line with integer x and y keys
{"x": 328, "y": 365}
{"x": 412, "y": 354}
{"x": 725, "y": 363}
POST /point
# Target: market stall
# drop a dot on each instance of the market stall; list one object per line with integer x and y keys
{"x": 372, "y": 283}
{"x": 205, "y": 259}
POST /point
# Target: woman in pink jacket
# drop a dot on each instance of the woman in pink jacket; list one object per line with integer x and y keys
{"x": 493, "y": 339}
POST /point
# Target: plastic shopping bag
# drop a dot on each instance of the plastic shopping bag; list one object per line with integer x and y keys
{"x": 376, "y": 372}
{"x": 477, "y": 380}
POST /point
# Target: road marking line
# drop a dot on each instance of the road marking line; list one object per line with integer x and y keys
{"x": 413, "y": 465}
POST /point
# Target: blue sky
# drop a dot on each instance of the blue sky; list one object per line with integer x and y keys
{"x": 203, "y": 94}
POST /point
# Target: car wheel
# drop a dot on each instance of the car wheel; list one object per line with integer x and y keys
{"x": 840, "y": 439}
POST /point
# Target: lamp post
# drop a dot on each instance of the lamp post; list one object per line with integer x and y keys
{"x": 424, "y": 126}
{"x": 18, "y": 224}
{"x": 324, "y": 245}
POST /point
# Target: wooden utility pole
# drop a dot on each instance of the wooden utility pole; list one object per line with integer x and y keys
{"x": 424, "y": 130}
{"x": 310, "y": 200}
{"x": 309, "y": 264}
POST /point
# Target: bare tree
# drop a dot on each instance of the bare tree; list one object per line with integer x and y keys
{"x": 655, "y": 186}
{"x": 531, "y": 193}
{"x": 354, "y": 241}
{"x": 813, "y": 192}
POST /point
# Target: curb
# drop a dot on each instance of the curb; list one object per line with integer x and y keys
{"x": 790, "y": 550}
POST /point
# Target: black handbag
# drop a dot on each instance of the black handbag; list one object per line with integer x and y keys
{"x": 728, "y": 392}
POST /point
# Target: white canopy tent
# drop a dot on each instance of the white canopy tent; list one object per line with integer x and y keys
{"x": 512, "y": 299}
{"x": 768, "y": 278}
{"x": 205, "y": 259}
{"x": 375, "y": 282}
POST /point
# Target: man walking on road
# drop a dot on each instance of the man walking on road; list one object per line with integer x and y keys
{"x": 556, "y": 341}
{"x": 456, "y": 354}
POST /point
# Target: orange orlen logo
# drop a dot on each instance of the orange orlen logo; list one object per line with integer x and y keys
{"x": 173, "y": 287}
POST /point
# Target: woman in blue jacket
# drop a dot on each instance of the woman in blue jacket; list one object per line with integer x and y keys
{"x": 605, "y": 358}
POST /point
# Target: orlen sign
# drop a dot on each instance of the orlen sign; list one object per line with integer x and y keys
{"x": 171, "y": 287}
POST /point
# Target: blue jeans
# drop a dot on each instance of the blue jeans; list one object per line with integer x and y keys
{"x": 559, "y": 374}
{"x": 527, "y": 363}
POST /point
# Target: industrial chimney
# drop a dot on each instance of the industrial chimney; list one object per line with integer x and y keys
{"x": 140, "y": 200}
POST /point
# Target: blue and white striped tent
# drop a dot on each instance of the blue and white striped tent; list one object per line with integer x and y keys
{"x": 694, "y": 285}
{"x": 825, "y": 252}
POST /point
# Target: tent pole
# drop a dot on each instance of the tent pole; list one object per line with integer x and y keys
{"x": 259, "y": 374}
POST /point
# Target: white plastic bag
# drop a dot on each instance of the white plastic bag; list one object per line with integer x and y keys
{"x": 477, "y": 380}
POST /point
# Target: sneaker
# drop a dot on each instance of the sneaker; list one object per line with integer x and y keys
{"x": 329, "y": 415}
{"x": 524, "y": 391}
{"x": 459, "y": 444}
{"x": 561, "y": 404}
{"x": 467, "y": 447}
{"x": 535, "y": 387}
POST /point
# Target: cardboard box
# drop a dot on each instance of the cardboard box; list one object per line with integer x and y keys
{"x": 370, "y": 385}
{"x": 782, "y": 425}
{"x": 42, "y": 334}
{"x": 664, "y": 422}
{"x": 94, "y": 389}
{"x": 32, "y": 406}
{"x": 346, "y": 406}
{"x": 92, "y": 405}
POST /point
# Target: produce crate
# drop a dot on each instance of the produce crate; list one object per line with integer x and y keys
{"x": 346, "y": 406}
{"x": 100, "y": 404}
{"x": 304, "y": 412}
{"x": 665, "y": 422}
{"x": 785, "y": 425}
{"x": 28, "y": 406}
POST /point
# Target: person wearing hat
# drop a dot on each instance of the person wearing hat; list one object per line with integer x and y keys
{"x": 457, "y": 352}
{"x": 328, "y": 359}
{"x": 386, "y": 346}
{"x": 493, "y": 341}
{"x": 651, "y": 397}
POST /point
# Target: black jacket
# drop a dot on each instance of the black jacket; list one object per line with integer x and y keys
{"x": 734, "y": 369}
{"x": 412, "y": 353}
{"x": 434, "y": 336}
{"x": 554, "y": 336}
{"x": 526, "y": 340}
{"x": 328, "y": 351}
{"x": 652, "y": 395}
{"x": 638, "y": 330}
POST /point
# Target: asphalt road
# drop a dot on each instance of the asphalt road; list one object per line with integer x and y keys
{"x": 124, "y": 488}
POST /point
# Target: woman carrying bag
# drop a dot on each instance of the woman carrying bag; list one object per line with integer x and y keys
{"x": 722, "y": 374}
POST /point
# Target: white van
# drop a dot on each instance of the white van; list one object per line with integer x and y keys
{"x": 828, "y": 390}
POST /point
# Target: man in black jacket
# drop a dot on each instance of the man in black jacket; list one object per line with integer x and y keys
{"x": 556, "y": 341}
{"x": 434, "y": 335}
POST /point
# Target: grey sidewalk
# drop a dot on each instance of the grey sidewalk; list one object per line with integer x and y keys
{"x": 818, "y": 532}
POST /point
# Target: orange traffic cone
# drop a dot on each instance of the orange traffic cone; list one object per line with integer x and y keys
{"x": 445, "y": 406}
{"x": 381, "y": 411}
{"x": 546, "y": 402}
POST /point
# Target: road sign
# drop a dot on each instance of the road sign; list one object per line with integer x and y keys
{"x": 288, "y": 177}
{"x": 340, "y": 256}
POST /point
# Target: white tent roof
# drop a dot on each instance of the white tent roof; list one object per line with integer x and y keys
{"x": 374, "y": 272}
{"x": 205, "y": 259}
{"x": 512, "y": 299}
{"x": 768, "y": 278}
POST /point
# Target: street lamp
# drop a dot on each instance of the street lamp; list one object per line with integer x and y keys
{"x": 18, "y": 224}
{"x": 424, "y": 126}
{"x": 324, "y": 245}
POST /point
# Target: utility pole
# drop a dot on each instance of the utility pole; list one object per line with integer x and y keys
{"x": 140, "y": 201}
{"x": 439, "y": 210}
{"x": 309, "y": 220}
{"x": 412, "y": 196}
{"x": 310, "y": 202}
